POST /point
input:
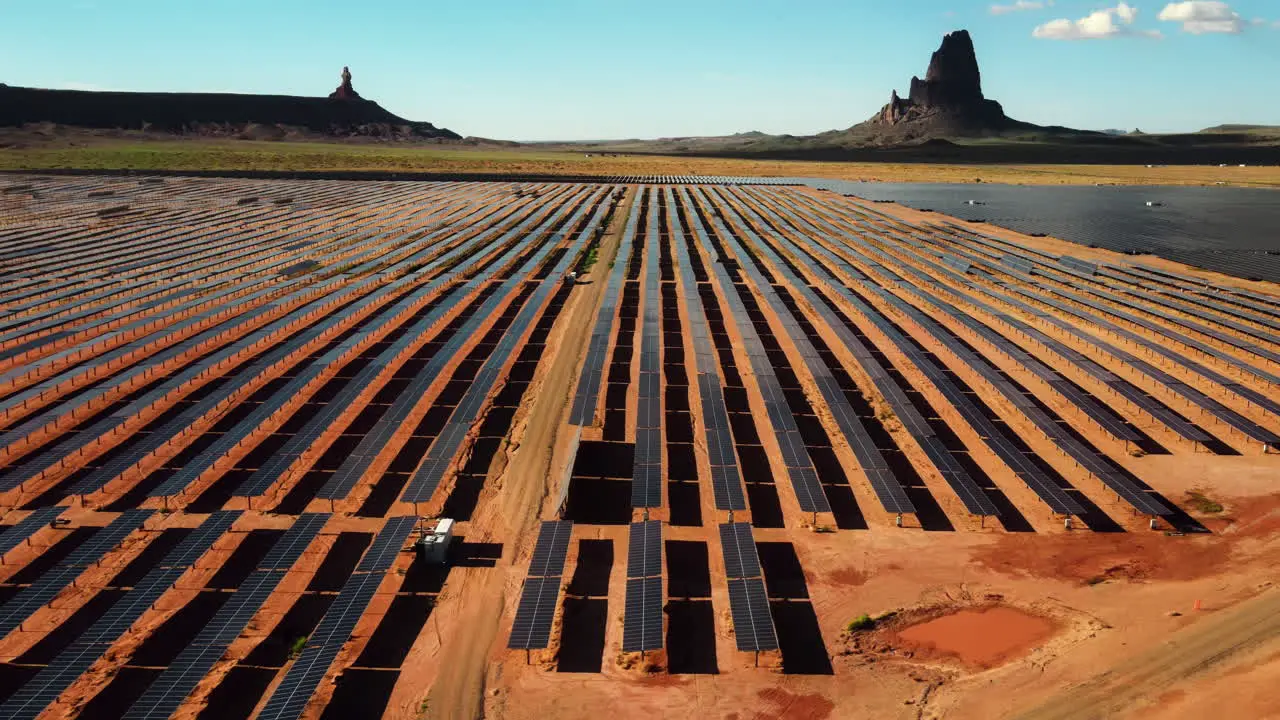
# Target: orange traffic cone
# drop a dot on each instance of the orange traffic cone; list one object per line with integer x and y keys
{"x": 1197, "y": 606}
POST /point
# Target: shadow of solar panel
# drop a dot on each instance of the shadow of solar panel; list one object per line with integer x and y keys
{"x": 644, "y": 549}
{"x": 642, "y": 617}
{"x": 752, "y": 622}
{"x": 532, "y": 627}
{"x": 551, "y": 548}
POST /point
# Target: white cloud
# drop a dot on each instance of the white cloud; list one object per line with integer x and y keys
{"x": 1108, "y": 23}
{"x": 1203, "y": 16}
{"x": 1019, "y": 6}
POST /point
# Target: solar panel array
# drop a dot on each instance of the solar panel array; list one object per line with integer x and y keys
{"x": 1222, "y": 413}
{"x": 726, "y": 478}
{"x": 353, "y": 468}
{"x": 587, "y": 397}
{"x": 646, "y": 474}
{"x": 162, "y": 698}
{"x": 298, "y": 686}
{"x": 14, "y": 535}
{"x": 531, "y": 629}
{"x": 992, "y": 436}
{"x": 642, "y": 618}
{"x": 163, "y": 340}
{"x": 48, "y": 684}
{"x": 1136, "y": 397}
{"x": 431, "y": 471}
{"x": 1095, "y": 462}
{"x": 800, "y": 470}
{"x": 41, "y": 592}
{"x": 892, "y": 496}
{"x": 748, "y": 602}
{"x": 459, "y": 260}
{"x": 966, "y": 488}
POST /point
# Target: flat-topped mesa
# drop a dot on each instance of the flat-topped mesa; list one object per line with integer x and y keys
{"x": 949, "y": 97}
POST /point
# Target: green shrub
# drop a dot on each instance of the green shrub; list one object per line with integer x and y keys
{"x": 295, "y": 648}
{"x": 1203, "y": 504}
{"x": 861, "y": 623}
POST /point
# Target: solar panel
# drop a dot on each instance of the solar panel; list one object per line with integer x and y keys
{"x": 172, "y": 687}
{"x": 644, "y": 549}
{"x": 642, "y": 617}
{"x": 739, "y": 548}
{"x": 428, "y": 476}
{"x": 1082, "y": 266}
{"x": 45, "y": 588}
{"x": 201, "y": 539}
{"x": 551, "y": 548}
{"x": 298, "y": 686}
{"x": 646, "y": 476}
{"x": 809, "y": 492}
{"x": 752, "y": 621}
{"x": 289, "y": 548}
{"x": 295, "y": 691}
{"x": 14, "y": 535}
{"x": 587, "y": 396}
{"x": 532, "y": 627}
{"x": 726, "y": 488}
{"x": 388, "y": 544}
{"x": 45, "y": 687}
{"x": 106, "y": 539}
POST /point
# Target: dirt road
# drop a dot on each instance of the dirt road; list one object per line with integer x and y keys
{"x": 458, "y": 693}
{"x": 1210, "y": 643}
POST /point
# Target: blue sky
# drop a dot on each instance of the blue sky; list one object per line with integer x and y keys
{"x": 581, "y": 69}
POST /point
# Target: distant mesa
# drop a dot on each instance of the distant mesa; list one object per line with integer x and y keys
{"x": 948, "y": 101}
{"x": 344, "y": 114}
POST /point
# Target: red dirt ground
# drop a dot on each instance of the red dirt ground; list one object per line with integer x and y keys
{"x": 980, "y": 638}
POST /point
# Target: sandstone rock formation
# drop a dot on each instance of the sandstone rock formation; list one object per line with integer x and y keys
{"x": 345, "y": 91}
{"x": 948, "y": 100}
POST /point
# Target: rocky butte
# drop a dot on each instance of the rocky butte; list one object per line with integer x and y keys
{"x": 948, "y": 101}
{"x": 344, "y": 114}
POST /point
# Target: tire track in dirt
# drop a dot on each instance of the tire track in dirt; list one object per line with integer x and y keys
{"x": 458, "y": 693}
{"x": 1214, "y": 641}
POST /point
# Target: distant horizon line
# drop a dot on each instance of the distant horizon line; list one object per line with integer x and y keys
{"x": 103, "y": 90}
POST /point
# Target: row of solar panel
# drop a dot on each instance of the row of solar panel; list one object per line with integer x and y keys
{"x": 726, "y": 480}
{"x": 809, "y": 492}
{"x": 974, "y": 499}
